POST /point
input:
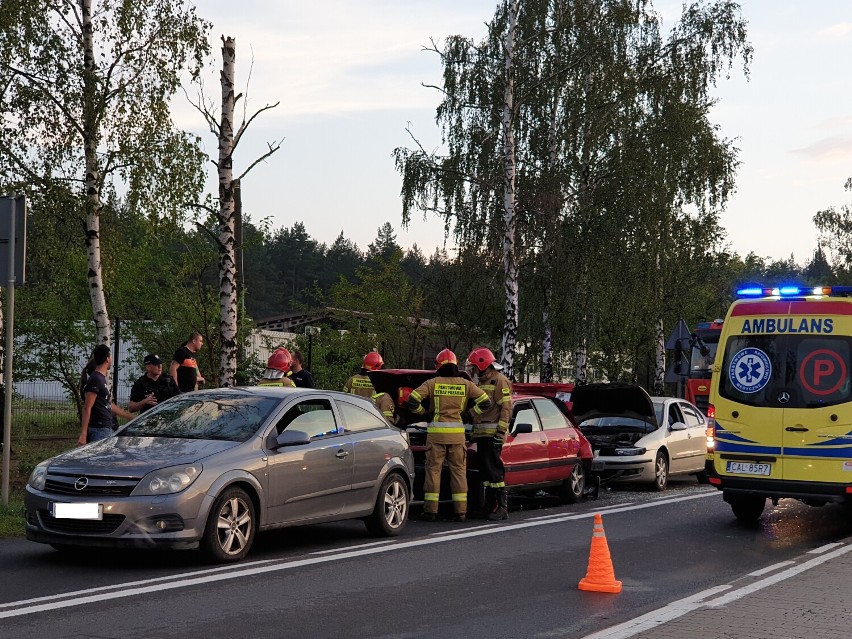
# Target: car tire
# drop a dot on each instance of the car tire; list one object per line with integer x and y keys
{"x": 661, "y": 471}
{"x": 747, "y": 508}
{"x": 702, "y": 477}
{"x": 231, "y": 526}
{"x": 391, "y": 511}
{"x": 574, "y": 486}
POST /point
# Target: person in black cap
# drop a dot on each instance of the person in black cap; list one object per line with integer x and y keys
{"x": 153, "y": 387}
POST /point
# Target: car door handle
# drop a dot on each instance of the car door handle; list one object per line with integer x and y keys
{"x": 796, "y": 429}
{"x": 341, "y": 454}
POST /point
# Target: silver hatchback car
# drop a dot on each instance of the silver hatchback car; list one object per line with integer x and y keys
{"x": 210, "y": 469}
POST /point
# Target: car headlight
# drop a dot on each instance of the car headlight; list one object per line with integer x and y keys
{"x": 39, "y": 476}
{"x": 633, "y": 450}
{"x": 167, "y": 481}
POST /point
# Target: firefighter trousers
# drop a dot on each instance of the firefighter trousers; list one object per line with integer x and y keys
{"x": 456, "y": 456}
{"x": 491, "y": 470}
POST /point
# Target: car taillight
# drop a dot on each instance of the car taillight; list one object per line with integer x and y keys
{"x": 711, "y": 428}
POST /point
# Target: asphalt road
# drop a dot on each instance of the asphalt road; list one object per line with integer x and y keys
{"x": 512, "y": 579}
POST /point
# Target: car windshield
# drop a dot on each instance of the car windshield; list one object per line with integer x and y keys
{"x": 223, "y": 416}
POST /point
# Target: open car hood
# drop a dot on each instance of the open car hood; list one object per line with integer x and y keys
{"x": 612, "y": 400}
{"x": 398, "y": 383}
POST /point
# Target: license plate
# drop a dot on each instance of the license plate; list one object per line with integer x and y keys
{"x": 597, "y": 465}
{"x": 77, "y": 511}
{"x": 748, "y": 468}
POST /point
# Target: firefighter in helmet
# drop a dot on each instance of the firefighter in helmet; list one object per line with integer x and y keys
{"x": 278, "y": 369}
{"x": 489, "y": 432}
{"x": 445, "y": 439}
{"x": 359, "y": 383}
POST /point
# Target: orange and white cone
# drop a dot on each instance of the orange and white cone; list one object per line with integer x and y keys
{"x": 600, "y": 576}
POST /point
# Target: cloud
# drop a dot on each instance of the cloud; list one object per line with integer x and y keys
{"x": 840, "y": 30}
{"x": 836, "y": 149}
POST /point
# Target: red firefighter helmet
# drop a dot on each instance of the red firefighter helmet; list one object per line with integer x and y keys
{"x": 373, "y": 361}
{"x": 481, "y": 358}
{"x": 280, "y": 360}
{"x": 446, "y": 356}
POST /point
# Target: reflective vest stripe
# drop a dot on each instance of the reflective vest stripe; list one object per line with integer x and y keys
{"x": 430, "y": 497}
{"x": 445, "y": 429}
{"x": 459, "y": 496}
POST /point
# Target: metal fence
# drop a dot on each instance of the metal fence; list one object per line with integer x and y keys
{"x": 45, "y": 408}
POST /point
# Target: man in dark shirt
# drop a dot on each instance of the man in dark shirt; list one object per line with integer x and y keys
{"x": 299, "y": 375}
{"x": 184, "y": 368}
{"x": 153, "y": 387}
{"x": 98, "y": 407}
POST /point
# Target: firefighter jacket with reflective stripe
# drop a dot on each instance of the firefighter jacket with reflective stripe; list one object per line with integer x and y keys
{"x": 359, "y": 385}
{"x": 385, "y": 404}
{"x": 449, "y": 400}
{"x": 284, "y": 381}
{"x": 494, "y": 422}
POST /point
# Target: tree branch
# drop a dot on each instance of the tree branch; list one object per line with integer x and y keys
{"x": 245, "y": 124}
{"x": 272, "y": 149}
{"x": 42, "y": 83}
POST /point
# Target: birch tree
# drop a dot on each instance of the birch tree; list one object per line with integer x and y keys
{"x": 229, "y": 139}
{"x": 85, "y": 105}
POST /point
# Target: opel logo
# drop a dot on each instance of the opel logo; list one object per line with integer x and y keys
{"x": 783, "y": 397}
{"x": 81, "y": 483}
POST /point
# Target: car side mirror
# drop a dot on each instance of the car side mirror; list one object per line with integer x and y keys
{"x": 678, "y": 426}
{"x": 522, "y": 428}
{"x": 291, "y": 438}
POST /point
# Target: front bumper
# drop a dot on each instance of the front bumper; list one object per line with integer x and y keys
{"x": 622, "y": 469}
{"x": 167, "y": 521}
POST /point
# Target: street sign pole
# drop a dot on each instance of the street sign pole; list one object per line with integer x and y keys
{"x": 10, "y": 351}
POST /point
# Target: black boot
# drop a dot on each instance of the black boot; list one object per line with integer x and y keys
{"x": 487, "y": 503}
{"x": 502, "y": 511}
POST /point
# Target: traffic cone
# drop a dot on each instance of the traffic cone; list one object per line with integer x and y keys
{"x": 600, "y": 576}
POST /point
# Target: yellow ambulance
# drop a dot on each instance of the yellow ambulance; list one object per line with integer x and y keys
{"x": 780, "y": 414}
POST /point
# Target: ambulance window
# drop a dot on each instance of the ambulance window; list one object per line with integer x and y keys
{"x": 818, "y": 371}
{"x": 753, "y": 369}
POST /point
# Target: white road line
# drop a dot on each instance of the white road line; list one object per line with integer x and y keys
{"x": 772, "y": 568}
{"x": 781, "y": 576}
{"x": 602, "y": 511}
{"x": 822, "y": 549}
{"x": 657, "y": 617}
{"x": 196, "y": 578}
{"x": 370, "y": 545}
{"x": 679, "y": 608}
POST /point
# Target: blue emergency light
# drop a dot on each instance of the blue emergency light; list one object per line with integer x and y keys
{"x": 793, "y": 291}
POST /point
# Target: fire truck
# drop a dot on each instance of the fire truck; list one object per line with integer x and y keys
{"x": 703, "y": 342}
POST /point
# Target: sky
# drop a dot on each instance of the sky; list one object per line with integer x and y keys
{"x": 349, "y": 77}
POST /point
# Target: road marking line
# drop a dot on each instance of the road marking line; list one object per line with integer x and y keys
{"x": 657, "y": 617}
{"x": 774, "y": 579}
{"x": 822, "y": 549}
{"x": 331, "y": 550}
{"x": 196, "y": 578}
{"x": 772, "y": 568}
{"x": 603, "y": 510}
{"x": 450, "y": 532}
{"x": 679, "y": 608}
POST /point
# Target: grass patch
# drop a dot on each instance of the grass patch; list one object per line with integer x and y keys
{"x": 25, "y": 454}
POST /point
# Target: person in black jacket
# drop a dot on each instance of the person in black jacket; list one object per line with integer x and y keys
{"x": 153, "y": 387}
{"x": 299, "y": 375}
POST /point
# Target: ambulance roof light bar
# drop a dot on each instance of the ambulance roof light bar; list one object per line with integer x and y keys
{"x": 794, "y": 291}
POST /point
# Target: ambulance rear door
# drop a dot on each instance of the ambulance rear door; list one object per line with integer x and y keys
{"x": 817, "y": 424}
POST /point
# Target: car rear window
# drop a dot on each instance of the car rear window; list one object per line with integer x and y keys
{"x": 786, "y": 371}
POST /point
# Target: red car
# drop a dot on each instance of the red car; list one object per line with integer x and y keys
{"x": 544, "y": 450}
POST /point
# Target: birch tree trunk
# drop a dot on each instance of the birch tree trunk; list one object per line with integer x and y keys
{"x": 510, "y": 265}
{"x": 660, "y": 357}
{"x": 93, "y": 197}
{"x": 227, "y": 262}
{"x": 580, "y": 359}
